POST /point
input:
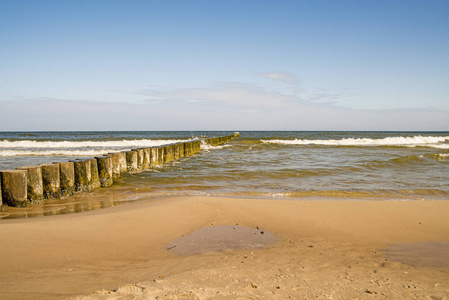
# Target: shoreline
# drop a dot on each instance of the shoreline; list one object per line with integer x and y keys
{"x": 118, "y": 195}
{"x": 327, "y": 248}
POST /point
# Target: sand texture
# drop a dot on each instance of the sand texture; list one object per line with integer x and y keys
{"x": 325, "y": 250}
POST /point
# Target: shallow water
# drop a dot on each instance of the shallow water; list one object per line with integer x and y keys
{"x": 297, "y": 165}
{"x": 268, "y": 165}
{"x": 220, "y": 239}
{"x": 428, "y": 255}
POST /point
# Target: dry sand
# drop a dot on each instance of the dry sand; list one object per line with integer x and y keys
{"x": 326, "y": 250}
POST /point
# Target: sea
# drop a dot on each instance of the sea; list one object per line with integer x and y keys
{"x": 297, "y": 165}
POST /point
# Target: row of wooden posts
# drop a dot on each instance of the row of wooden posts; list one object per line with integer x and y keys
{"x": 34, "y": 184}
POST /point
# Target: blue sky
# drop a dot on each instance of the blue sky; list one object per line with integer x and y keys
{"x": 224, "y": 65}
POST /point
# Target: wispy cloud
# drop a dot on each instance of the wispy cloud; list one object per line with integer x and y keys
{"x": 222, "y": 107}
{"x": 226, "y": 94}
{"x": 284, "y": 77}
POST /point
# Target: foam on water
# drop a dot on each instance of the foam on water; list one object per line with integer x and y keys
{"x": 61, "y": 152}
{"x": 85, "y": 144}
{"x": 74, "y": 148}
{"x": 206, "y": 146}
{"x": 428, "y": 141}
{"x": 439, "y": 146}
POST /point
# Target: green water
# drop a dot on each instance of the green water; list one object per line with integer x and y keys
{"x": 286, "y": 165}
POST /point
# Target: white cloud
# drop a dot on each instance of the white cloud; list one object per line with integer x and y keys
{"x": 284, "y": 77}
{"x": 240, "y": 95}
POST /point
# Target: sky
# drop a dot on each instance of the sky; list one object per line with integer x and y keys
{"x": 224, "y": 65}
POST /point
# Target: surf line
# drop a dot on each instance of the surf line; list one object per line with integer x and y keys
{"x": 34, "y": 184}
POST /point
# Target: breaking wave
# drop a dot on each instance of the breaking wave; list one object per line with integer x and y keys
{"x": 74, "y": 148}
{"x": 84, "y": 144}
{"x": 206, "y": 146}
{"x": 422, "y": 141}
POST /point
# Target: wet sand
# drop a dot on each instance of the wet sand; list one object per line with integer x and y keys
{"x": 326, "y": 250}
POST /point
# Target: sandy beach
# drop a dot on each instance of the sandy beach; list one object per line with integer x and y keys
{"x": 326, "y": 249}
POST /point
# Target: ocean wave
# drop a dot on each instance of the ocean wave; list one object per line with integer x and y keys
{"x": 206, "y": 146}
{"x": 426, "y": 141}
{"x": 438, "y": 146}
{"x": 31, "y": 144}
{"x": 74, "y": 148}
{"x": 60, "y": 152}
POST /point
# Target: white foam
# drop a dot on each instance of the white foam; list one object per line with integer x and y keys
{"x": 75, "y": 148}
{"x": 206, "y": 146}
{"x": 25, "y": 144}
{"x": 439, "y": 146}
{"x": 55, "y": 152}
{"x": 428, "y": 141}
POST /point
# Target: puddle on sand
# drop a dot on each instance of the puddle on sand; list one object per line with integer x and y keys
{"x": 429, "y": 255}
{"x": 221, "y": 238}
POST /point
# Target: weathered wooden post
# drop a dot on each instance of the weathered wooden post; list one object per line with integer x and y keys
{"x": 115, "y": 158}
{"x": 94, "y": 172}
{"x": 196, "y": 146}
{"x": 123, "y": 164}
{"x": 67, "y": 178}
{"x": 50, "y": 181}
{"x": 153, "y": 157}
{"x": 176, "y": 149}
{"x": 83, "y": 176}
{"x": 146, "y": 158}
{"x": 131, "y": 162}
{"x": 104, "y": 170}
{"x": 168, "y": 153}
{"x": 181, "y": 150}
{"x": 160, "y": 155}
{"x": 14, "y": 187}
{"x": 35, "y": 193}
{"x": 188, "y": 149}
{"x": 140, "y": 158}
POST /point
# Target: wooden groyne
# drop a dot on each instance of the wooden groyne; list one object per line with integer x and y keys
{"x": 34, "y": 184}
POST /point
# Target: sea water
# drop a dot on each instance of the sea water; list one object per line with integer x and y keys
{"x": 268, "y": 164}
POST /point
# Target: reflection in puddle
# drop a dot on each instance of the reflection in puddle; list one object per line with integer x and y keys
{"x": 430, "y": 255}
{"x": 221, "y": 238}
{"x": 98, "y": 199}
